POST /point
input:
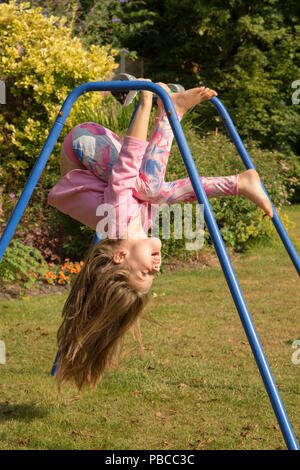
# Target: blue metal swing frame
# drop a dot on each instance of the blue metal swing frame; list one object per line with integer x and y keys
{"x": 216, "y": 237}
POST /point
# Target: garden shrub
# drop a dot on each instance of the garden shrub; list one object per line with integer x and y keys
{"x": 104, "y": 22}
{"x": 35, "y": 228}
{"x": 40, "y": 63}
{"x": 21, "y": 263}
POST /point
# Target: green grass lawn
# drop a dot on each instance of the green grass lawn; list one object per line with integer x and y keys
{"x": 198, "y": 386}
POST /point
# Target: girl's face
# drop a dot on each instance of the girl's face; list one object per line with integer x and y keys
{"x": 143, "y": 256}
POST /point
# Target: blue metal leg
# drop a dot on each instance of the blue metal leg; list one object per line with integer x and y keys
{"x": 249, "y": 164}
{"x": 234, "y": 287}
{"x": 55, "y": 365}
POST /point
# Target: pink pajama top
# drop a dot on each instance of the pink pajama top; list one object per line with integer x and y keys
{"x": 80, "y": 193}
{"x": 125, "y": 180}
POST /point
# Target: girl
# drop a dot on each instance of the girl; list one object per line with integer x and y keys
{"x": 100, "y": 173}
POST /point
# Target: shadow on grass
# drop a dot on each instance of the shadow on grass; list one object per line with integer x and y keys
{"x": 22, "y": 412}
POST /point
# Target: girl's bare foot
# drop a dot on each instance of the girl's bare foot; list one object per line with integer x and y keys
{"x": 249, "y": 186}
{"x": 185, "y": 100}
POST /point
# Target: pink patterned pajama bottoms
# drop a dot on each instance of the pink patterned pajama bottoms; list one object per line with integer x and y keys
{"x": 94, "y": 147}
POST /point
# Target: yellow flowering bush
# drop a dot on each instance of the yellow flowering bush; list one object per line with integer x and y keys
{"x": 40, "y": 64}
{"x": 262, "y": 228}
{"x": 259, "y": 226}
{"x": 290, "y": 226}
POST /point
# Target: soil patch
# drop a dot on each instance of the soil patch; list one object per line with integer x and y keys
{"x": 203, "y": 260}
{"x": 15, "y": 291}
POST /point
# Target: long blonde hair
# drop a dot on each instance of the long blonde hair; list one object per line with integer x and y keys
{"x": 100, "y": 308}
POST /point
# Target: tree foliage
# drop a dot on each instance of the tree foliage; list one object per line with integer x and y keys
{"x": 249, "y": 51}
{"x": 40, "y": 64}
{"x": 103, "y": 22}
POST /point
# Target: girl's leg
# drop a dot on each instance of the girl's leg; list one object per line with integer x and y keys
{"x": 153, "y": 168}
{"x": 66, "y": 164}
{"x": 245, "y": 184}
{"x": 151, "y": 185}
{"x": 152, "y": 171}
{"x": 96, "y": 148}
{"x": 182, "y": 190}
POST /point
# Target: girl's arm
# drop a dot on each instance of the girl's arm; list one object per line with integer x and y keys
{"x": 125, "y": 170}
{"x": 80, "y": 193}
{"x": 140, "y": 123}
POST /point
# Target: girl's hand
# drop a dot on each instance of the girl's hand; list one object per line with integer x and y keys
{"x": 139, "y": 125}
{"x": 146, "y": 96}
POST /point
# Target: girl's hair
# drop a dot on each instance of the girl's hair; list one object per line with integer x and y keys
{"x": 100, "y": 308}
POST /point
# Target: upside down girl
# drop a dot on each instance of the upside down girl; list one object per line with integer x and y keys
{"x": 100, "y": 171}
